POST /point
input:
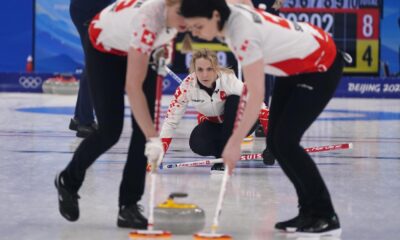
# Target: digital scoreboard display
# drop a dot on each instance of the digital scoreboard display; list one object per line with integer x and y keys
{"x": 354, "y": 24}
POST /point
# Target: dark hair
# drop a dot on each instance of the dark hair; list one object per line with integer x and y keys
{"x": 205, "y": 8}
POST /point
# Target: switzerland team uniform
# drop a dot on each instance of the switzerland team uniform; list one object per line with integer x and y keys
{"x": 210, "y": 108}
{"x": 122, "y": 25}
{"x": 140, "y": 24}
{"x": 308, "y": 68}
{"x": 287, "y": 48}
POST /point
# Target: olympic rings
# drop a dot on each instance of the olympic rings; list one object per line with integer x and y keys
{"x": 30, "y": 81}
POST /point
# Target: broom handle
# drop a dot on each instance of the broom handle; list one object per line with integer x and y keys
{"x": 207, "y": 162}
{"x": 254, "y": 156}
{"x": 173, "y": 75}
{"x": 220, "y": 200}
{"x": 150, "y": 223}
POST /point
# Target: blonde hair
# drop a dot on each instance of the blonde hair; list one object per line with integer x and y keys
{"x": 187, "y": 44}
{"x": 187, "y": 40}
{"x": 210, "y": 56}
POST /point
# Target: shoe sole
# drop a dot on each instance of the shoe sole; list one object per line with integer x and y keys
{"x": 287, "y": 230}
{"x": 291, "y": 229}
{"x": 122, "y": 224}
{"x": 332, "y": 233}
{"x": 217, "y": 172}
{"x": 132, "y": 227}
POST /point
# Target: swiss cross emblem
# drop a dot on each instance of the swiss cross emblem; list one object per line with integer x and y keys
{"x": 244, "y": 46}
{"x": 177, "y": 93}
{"x": 222, "y": 95}
{"x": 148, "y": 37}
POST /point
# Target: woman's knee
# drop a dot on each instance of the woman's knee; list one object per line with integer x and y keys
{"x": 195, "y": 141}
{"x": 109, "y": 136}
{"x": 198, "y": 143}
{"x": 285, "y": 145}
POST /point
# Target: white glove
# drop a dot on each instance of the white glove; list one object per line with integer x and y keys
{"x": 154, "y": 152}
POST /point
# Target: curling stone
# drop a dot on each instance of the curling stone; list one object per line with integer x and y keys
{"x": 178, "y": 218}
{"x": 248, "y": 139}
{"x": 47, "y": 86}
{"x": 66, "y": 86}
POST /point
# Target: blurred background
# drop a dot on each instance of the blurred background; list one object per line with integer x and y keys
{"x": 38, "y": 39}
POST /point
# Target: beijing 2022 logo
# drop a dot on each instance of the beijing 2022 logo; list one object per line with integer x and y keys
{"x": 30, "y": 81}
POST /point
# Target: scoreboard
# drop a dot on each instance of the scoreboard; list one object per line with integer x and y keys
{"x": 354, "y": 24}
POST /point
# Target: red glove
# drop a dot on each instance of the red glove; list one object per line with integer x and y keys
{"x": 201, "y": 118}
{"x": 263, "y": 118}
{"x": 166, "y": 142}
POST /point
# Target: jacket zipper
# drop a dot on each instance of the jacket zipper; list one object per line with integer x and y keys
{"x": 212, "y": 106}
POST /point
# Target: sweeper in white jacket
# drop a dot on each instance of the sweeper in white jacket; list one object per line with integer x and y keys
{"x": 214, "y": 92}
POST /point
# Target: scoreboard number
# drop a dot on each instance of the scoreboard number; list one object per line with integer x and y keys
{"x": 367, "y": 60}
{"x": 322, "y": 20}
{"x": 349, "y": 4}
{"x": 355, "y": 30}
{"x": 367, "y": 56}
{"x": 368, "y": 29}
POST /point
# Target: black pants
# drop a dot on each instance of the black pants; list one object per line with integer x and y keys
{"x": 106, "y": 75}
{"x": 81, "y": 15}
{"x": 209, "y": 138}
{"x": 296, "y": 103}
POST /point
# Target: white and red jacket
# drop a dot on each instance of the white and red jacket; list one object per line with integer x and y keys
{"x": 210, "y": 108}
{"x": 140, "y": 24}
{"x": 286, "y": 48}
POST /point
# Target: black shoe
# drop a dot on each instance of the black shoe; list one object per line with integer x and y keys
{"x": 73, "y": 124}
{"x": 131, "y": 217}
{"x": 67, "y": 201}
{"x": 321, "y": 227}
{"x": 84, "y": 131}
{"x": 218, "y": 168}
{"x": 293, "y": 224}
{"x": 268, "y": 158}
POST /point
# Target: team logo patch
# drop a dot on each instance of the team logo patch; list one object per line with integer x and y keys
{"x": 178, "y": 93}
{"x": 222, "y": 95}
{"x": 148, "y": 37}
{"x": 244, "y": 45}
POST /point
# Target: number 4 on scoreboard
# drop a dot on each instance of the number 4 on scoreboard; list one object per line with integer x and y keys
{"x": 367, "y": 57}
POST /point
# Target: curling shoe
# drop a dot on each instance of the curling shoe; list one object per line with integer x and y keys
{"x": 217, "y": 168}
{"x": 131, "y": 217}
{"x": 321, "y": 227}
{"x": 268, "y": 158}
{"x": 82, "y": 131}
{"x": 73, "y": 124}
{"x": 67, "y": 200}
{"x": 293, "y": 224}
